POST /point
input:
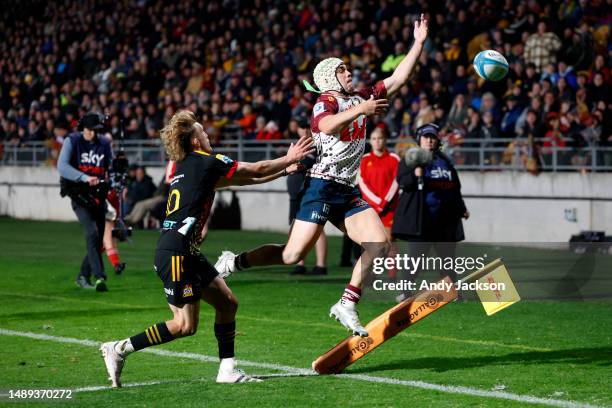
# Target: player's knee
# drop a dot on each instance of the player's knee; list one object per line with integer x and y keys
{"x": 291, "y": 257}
{"x": 229, "y": 305}
{"x": 187, "y": 328}
{"x": 183, "y": 326}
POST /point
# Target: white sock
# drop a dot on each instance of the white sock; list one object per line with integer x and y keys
{"x": 227, "y": 364}
{"x": 124, "y": 347}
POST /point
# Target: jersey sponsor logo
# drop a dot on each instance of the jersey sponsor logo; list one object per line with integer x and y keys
{"x": 314, "y": 215}
{"x": 318, "y": 109}
{"x": 168, "y": 224}
{"x": 176, "y": 178}
{"x": 439, "y": 173}
{"x": 326, "y": 209}
{"x": 169, "y": 292}
{"x": 224, "y": 159}
{"x": 187, "y": 290}
{"x": 92, "y": 170}
{"x": 92, "y": 158}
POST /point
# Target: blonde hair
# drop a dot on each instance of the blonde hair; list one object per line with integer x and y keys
{"x": 177, "y": 134}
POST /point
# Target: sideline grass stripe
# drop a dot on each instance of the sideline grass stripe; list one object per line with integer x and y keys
{"x": 295, "y": 322}
{"x": 477, "y": 342}
{"x": 451, "y": 389}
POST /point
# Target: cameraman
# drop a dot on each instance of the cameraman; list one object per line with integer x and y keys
{"x": 83, "y": 166}
{"x": 430, "y": 205}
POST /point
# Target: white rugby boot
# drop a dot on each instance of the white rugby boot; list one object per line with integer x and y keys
{"x": 114, "y": 362}
{"x": 348, "y": 316}
{"x": 226, "y": 264}
{"x": 229, "y": 374}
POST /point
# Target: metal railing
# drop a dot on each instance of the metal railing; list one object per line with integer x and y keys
{"x": 472, "y": 154}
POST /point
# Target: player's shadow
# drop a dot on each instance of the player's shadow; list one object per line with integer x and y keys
{"x": 601, "y": 356}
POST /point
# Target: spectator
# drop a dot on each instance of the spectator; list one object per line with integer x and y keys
{"x": 248, "y": 120}
{"x": 458, "y": 115}
{"x": 541, "y": 48}
{"x": 140, "y": 188}
{"x": 553, "y": 137}
{"x": 53, "y": 73}
{"x": 146, "y": 206}
{"x": 532, "y": 126}
{"x": 598, "y": 91}
{"x": 512, "y": 111}
{"x": 474, "y": 124}
{"x": 269, "y": 132}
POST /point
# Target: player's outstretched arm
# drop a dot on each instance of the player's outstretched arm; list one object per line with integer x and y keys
{"x": 267, "y": 170}
{"x": 247, "y": 181}
{"x": 333, "y": 124}
{"x": 405, "y": 68}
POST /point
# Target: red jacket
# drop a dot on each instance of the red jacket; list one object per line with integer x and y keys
{"x": 377, "y": 184}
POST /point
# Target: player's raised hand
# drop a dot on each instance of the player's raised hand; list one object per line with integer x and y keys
{"x": 420, "y": 29}
{"x": 374, "y": 106}
{"x": 301, "y": 148}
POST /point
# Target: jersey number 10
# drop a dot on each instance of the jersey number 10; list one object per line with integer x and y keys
{"x": 172, "y": 205}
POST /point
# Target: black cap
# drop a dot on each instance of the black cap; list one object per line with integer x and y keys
{"x": 427, "y": 129}
{"x": 94, "y": 121}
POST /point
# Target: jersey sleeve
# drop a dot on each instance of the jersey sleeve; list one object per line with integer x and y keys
{"x": 63, "y": 163}
{"x": 378, "y": 91}
{"x": 326, "y": 105}
{"x": 170, "y": 170}
{"x": 224, "y": 166}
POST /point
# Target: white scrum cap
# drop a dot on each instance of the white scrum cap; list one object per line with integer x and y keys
{"x": 325, "y": 75}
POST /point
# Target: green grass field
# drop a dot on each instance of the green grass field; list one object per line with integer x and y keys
{"x": 533, "y": 353}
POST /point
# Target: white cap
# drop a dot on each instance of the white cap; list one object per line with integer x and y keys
{"x": 325, "y": 75}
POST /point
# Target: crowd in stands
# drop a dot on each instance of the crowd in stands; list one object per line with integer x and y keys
{"x": 241, "y": 63}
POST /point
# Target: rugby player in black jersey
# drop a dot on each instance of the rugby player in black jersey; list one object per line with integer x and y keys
{"x": 186, "y": 273}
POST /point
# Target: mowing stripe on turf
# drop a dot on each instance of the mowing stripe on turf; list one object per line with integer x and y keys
{"x": 476, "y": 342}
{"x": 451, "y": 389}
{"x": 75, "y": 299}
{"x": 487, "y": 343}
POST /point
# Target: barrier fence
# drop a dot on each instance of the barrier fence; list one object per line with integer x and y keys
{"x": 471, "y": 154}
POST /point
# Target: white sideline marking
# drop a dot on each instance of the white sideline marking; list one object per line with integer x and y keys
{"x": 451, "y": 389}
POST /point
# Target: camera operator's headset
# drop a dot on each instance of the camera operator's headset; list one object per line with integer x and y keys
{"x": 428, "y": 129}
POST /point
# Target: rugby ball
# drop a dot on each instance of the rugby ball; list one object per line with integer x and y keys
{"x": 490, "y": 65}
